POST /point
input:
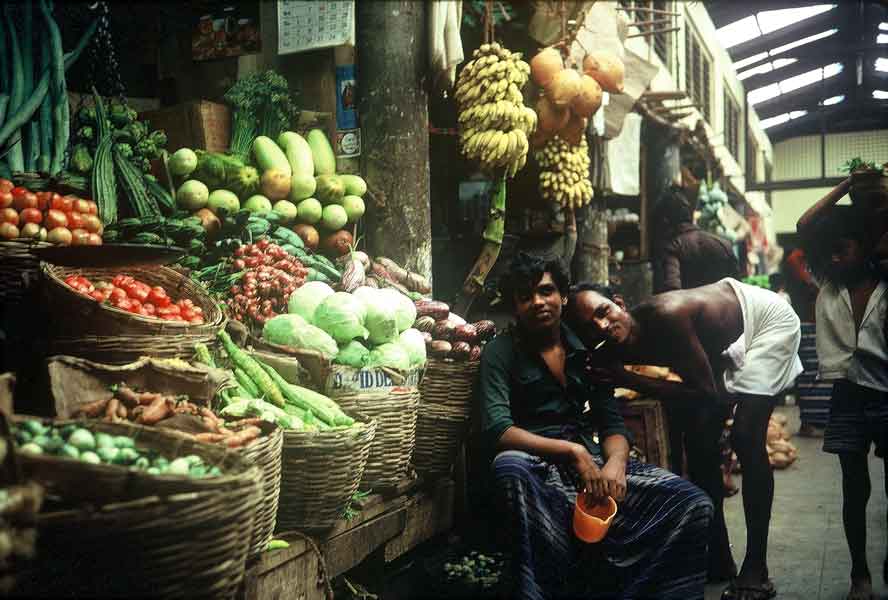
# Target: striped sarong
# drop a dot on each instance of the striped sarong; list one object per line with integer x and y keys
{"x": 813, "y": 394}
{"x": 655, "y": 548}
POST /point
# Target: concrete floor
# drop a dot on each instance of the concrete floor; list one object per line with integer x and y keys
{"x": 807, "y": 553}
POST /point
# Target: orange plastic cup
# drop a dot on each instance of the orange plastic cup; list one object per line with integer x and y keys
{"x": 592, "y": 520}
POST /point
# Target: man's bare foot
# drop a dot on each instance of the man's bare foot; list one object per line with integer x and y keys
{"x": 861, "y": 589}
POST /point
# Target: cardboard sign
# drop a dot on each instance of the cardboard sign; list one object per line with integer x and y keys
{"x": 343, "y": 380}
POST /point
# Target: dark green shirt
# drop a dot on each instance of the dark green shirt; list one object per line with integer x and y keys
{"x": 516, "y": 387}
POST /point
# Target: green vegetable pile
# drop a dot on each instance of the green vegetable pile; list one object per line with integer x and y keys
{"x": 476, "y": 569}
{"x": 132, "y": 138}
{"x": 762, "y": 281}
{"x": 262, "y": 104}
{"x": 75, "y": 442}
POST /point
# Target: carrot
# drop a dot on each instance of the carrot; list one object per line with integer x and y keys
{"x": 211, "y": 423}
{"x": 137, "y": 412}
{"x": 122, "y": 412}
{"x": 243, "y": 437}
{"x": 111, "y": 409}
{"x": 158, "y": 410}
{"x": 93, "y": 409}
{"x": 148, "y": 398}
{"x": 127, "y": 396}
{"x": 251, "y": 422}
{"x": 210, "y": 438}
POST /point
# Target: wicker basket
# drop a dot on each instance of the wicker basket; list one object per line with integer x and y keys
{"x": 439, "y": 432}
{"x": 83, "y": 316}
{"x": 266, "y": 454}
{"x": 320, "y": 472}
{"x": 138, "y": 534}
{"x": 449, "y": 384}
{"x": 18, "y": 268}
{"x": 395, "y": 414}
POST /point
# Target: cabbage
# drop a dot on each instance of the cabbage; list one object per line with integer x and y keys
{"x": 353, "y": 354}
{"x": 294, "y": 331}
{"x": 380, "y": 322}
{"x": 414, "y": 344}
{"x": 390, "y": 355}
{"x": 305, "y": 300}
{"x": 342, "y": 316}
{"x": 405, "y": 309}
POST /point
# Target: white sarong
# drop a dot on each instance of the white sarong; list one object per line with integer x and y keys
{"x": 766, "y": 357}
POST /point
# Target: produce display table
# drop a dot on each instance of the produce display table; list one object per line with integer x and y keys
{"x": 646, "y": 421}
{"x": 389, "y": 524}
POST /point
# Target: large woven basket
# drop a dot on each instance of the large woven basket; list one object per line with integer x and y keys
{"x": 395, "y": 414}
{"x": 439, "y": 432}
{"x": 265, "y": 453}
{"x": 83, "y": 316}
{"x": 449, "y": 384}
{"x": 132, "y": 533}
{"x": 320, "y": 472}
{"x": 18, "y": 269}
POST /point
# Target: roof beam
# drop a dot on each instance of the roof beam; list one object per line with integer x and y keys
{"x": 833, "y": 86}
{"x": 797, "y": 68}
{"x": 791, "y": 33}
{"x": 793, "y": 184}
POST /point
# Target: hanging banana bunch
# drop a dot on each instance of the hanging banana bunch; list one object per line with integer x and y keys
{"x": 565, "y": 172}
{"x": 494, "y": 123}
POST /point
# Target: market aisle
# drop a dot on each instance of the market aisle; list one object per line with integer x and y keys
{"x": 807, "y": 552}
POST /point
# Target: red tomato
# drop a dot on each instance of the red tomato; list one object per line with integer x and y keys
{"x": 149, "y": 309}
{"x": 5, "y": 199}
{"x": 122, "y": 280}
{"x": 6, "y": 185}
{"x": 19, "y": 191}
{"x": 123, "y": 304}
{"x": 136, "y": 305}
{"x": 97, "y": 295}
{"x": 172, "y": 309}
{"x": 76, "y": 220}
{"x": 169, "y": 317}
{"x": 23, "y": 201}
{"x": 158, "y": 297}
{"x": 59, "y": 235}
{"x": 8, "y": 231}
{"x": 62, "y": 203}
{"x": 55, "y": 218}
{"x": 92, "y": 224}
{"x": 94, "y": 239}
{"x": 81, "y": 206}
{"x": 117, "y": 294}
{"x": 9, "y": 215}
{"x": 79, "y": 237}
{"x": 93, "y": 208}
{"x": 31, "y": 215}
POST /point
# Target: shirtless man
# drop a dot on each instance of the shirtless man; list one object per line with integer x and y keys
{"x": 730, "y": 343}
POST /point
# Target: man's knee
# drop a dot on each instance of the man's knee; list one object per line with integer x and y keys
{"x": 513, "y": 464}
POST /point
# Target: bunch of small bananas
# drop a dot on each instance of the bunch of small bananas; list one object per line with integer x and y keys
{"x": 565, "y": 172}
{"x": 494, "y": 123}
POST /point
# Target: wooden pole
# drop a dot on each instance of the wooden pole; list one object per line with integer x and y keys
{"x": 392, "y": 58}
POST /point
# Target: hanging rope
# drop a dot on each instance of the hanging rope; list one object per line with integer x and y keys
{"x": 488, "y": 22}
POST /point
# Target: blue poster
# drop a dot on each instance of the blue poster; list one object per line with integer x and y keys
{"x": 346, "y": 98}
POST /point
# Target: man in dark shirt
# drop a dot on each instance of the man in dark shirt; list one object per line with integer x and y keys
{"x": 540, "y": 413}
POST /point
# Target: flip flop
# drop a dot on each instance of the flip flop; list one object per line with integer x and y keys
{"x": 765, "y": 591}
{"x": 865, "y": 593}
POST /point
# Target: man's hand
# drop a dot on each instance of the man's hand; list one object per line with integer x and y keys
{"x": 590, "y": 475}
{"x": 613, "y": 476}
{"x": 608, "y": 374}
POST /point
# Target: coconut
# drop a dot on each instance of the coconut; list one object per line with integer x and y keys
{"x": 545, "y": 65}
{"x": 588, "y": 101}
{"x": 607, "y": 69}
{"x": 572, "y": 133}
{"x": 564, "y": 87}
{"x": 551, "y": 118}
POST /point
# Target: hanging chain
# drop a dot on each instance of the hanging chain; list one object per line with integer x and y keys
{"x": 103, "y": 57}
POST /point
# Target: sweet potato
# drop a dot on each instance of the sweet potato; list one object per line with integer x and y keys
{"x": 148, "y": 398}
{"x": 93, "y": 409}
{"x": 243, "y": 437}
{"x": 248, "y": 422}
{"x": 127, "y": 396}
{"x": 210, "y": 438}
{"x": 122, "y": 411}
{"x": 158, "y": 410}
{"x": 111, "y": 409}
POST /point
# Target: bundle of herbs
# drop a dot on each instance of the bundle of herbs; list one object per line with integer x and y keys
{"x": 262, "y": 104}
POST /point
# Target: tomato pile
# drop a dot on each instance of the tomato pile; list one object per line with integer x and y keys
{"x": 270, "y": 276}
{"x": 130, "y": 294}
{"x": 48, "y": 216}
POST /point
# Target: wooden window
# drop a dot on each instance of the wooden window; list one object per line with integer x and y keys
{"x": 661, "y": 41}
{"x": 732, "y": 125}
{"x": 752, "y": 152}
{"x": 698, "y": 72}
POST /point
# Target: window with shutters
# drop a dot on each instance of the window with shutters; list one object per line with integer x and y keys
{"x": 732, "y": 125}
{"x": 698, "y": 72}
{"x": 660, "y": 40}
{"x": 752, "y": 153}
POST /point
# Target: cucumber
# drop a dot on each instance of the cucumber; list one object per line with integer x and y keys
{"x": 321, "y": 152}
{"x": 298, "y": 153}
{"x": 269, "y": 156}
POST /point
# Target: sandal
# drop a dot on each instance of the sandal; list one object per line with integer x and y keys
{"x": 765, "y": 591}
{"x": 861, "y": 592}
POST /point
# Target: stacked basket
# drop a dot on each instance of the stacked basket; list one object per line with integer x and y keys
{"x": 447, "y": 391}
{"x": 320, "y": 472}
{"x": 131, "y": 533}
{"x": 104, "y": 333}
{"x": 18, "y": 269}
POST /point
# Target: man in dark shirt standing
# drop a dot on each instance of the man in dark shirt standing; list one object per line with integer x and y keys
{"x": 540, "y": 411}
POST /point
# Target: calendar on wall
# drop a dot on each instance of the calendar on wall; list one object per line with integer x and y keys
{"x": 306, "y": 25}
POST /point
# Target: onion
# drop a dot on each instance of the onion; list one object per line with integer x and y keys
{"x": 545, "y": 65}
{"x": 588, "y": 101}
{"x": 551, "y": 118}
{"x": 607, "y": 69}
{"x": 573, "y": 132}
{"x": 564, "y": 87}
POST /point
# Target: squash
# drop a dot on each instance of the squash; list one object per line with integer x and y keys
{"x": 298, "y": 153}
{"x": 269, "y": 156}
{"x": 321, "y": 152}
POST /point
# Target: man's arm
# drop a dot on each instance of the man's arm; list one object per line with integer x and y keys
{"x": 809, "y": 219}
{"x": 670, "y": 266}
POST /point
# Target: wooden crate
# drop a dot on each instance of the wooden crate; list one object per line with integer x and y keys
{"x": 198, "y": 124}
{"x": 647, "y": 423}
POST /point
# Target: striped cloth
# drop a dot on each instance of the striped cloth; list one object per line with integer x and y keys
{"x": 655, "y": 548}
{"x": 813, "y": 395}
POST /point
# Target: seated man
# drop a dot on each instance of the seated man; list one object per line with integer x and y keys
{"x": 534, "y": 385}
{"x": 724, "y": 336}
